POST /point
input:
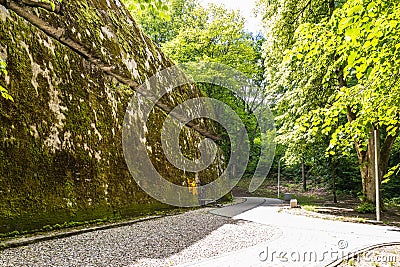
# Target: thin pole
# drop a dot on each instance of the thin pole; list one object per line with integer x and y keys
{"x": 303, "y": 174}
{"x": 377, "y": 182}
{"x": 279, "y": 178}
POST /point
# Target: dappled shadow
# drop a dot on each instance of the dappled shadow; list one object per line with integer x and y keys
{"x": 154, "y": 239}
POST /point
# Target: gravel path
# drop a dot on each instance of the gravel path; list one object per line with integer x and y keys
{"x": 248, "y": 204}
{"x": 161, "y": 242}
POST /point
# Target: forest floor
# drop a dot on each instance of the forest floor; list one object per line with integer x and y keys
{"x": 318, "y": 202}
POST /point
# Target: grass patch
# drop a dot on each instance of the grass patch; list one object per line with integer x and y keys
{"x": 307, "y": 200}
{"x": 311, "y": 208}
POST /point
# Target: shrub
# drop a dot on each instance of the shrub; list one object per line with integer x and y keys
{"x": 366, "y": 208}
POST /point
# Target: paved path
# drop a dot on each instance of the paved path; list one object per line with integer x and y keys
{"x": 303, "y": 241}
{"x": 248, "y": 204}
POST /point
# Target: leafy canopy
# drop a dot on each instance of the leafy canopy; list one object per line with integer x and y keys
{"x": 340, "y": 76}
{"x": 159, "y": 7}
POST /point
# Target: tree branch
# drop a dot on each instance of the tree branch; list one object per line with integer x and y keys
{"x": 51, "y": 7}
{"x": 331, "y": 6}
{"x": 351, "y": 116}
{"x": 54, "y": 7}
{"x": 300, "y": 12}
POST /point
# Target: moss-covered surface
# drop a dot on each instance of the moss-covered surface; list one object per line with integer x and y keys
{"x": 61, "y": 155}
{"x": 30, "y": 223}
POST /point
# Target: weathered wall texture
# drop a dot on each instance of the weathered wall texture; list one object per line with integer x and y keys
{"x": 61, "y": 155}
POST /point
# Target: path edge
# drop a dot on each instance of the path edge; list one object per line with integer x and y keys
{"x": 24, "y": 241}
{"x": 356, "y": 253}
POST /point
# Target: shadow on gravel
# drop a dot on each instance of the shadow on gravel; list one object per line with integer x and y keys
{"x": 154, "y": 239}
{"x": 167, "y": 236}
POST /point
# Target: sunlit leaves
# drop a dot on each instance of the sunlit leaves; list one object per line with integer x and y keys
{"x": 3, "y": 67}
{"x": 164, "y": 26}
{"x": 158, "y": 7}
{"x": 3, "y": 91}
{"x": 359, "y": 41}
{"x": 325, "y": 68}
{"x": 218, "y": 35}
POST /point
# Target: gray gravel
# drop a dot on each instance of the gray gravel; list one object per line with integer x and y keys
{"x": 161, "y": 242}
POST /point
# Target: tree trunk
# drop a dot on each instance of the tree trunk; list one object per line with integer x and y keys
{"x": 367, "y": 158}
{"x": 367, "y": 163}
{"x": 367, "y": 168}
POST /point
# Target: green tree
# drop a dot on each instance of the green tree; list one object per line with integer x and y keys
{"x": 340, "y": 78}
{"x": 194, "y": 33}
{"x": 162, "y": 26}
{"x": 139, "y": 7}
{"x": 281, "y": 18}
{"x": 218, "y": 35}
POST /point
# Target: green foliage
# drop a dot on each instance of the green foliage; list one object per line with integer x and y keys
{"x": 139, "y": 8}
{"x": 337, "y": 78}
{"x": 391, "y": 181}
{"x": 161, "y": 27}
{"x": 281, "y": 19}
{"x": 51, "y": 3}
{"x": 360, "y": 39}
{"x": 213, "y": 34}
{"x": 217, "y": 35}
{"x": 394, "y": 201}
{"x": 351, "y": 262}
{"x": 3, "y": 91}
{"x": 366, "y": 207}
{"x": 70, "y": 224}
{"x": 391, "y": 188}
{"x": 14, "y": 233}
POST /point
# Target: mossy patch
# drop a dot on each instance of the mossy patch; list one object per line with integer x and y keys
{"x": 61, "y": 140}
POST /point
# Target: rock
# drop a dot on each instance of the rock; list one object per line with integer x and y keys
{"x": 71, "y": 74}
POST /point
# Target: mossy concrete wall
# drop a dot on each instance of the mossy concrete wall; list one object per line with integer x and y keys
{"x": 61, "y": 155}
